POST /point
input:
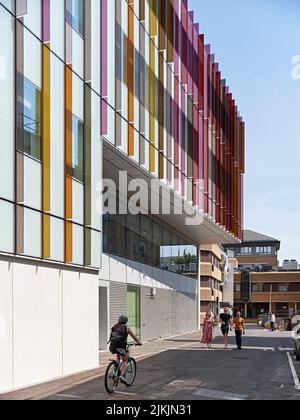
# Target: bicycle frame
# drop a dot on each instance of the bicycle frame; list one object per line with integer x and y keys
{"x": 119, "y": 361}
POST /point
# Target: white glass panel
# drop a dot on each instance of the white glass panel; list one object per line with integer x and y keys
{"x": 8, "y": 4}
{"x": 78, "y": 54}
{"x": 78, "y": 97}
{"x": 78, "y": 245}
{"x": 33, "y": 18}
{"x": 32, "y": 233}
{"x": 95, "y": 45}
{"x": 78, "y": 202}
{"x": 56, "y": 239}
{"x": 32, "y": 59}
{"x": 6, "y": 106}
{"x": 6, "y": 227}
{"x": 32, "y": 183}
{"x": 96, "y": 249}
{"x": 57, "y": 27}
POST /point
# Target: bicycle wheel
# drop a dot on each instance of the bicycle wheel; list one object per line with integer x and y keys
{"x": 130, "y": 372}
{"x": 111, "y": 378}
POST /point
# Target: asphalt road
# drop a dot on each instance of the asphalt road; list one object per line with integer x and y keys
{"x": 262, "y": 370}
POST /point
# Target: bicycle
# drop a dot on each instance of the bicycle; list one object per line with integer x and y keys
{"x": 113, "y": 372}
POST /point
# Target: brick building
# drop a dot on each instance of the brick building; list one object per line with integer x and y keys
{"x": 258, "y": 283}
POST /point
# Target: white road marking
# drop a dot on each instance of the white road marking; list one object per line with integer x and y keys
{"x": 285, "y": 349}
{"x": 73, "y": 397}
{"x": 218, "y": 395}
{"x": 294, "y": 373}
{"x": 125, "y": 393}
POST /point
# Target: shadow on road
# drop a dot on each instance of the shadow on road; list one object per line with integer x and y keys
{"x": 275, "y": 342}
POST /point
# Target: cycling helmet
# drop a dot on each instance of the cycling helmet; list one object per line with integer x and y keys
{"x": 123, "y": 319}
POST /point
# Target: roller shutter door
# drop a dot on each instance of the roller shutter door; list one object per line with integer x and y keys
{"x": 118, "y": 301}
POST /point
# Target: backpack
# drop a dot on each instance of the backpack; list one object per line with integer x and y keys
{"x": 118, "y": 336}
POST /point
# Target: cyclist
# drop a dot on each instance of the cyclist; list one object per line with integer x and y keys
{"x": 118, "y": 342}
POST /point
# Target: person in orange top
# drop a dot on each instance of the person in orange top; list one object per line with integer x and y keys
{"x": 239, "y": 326}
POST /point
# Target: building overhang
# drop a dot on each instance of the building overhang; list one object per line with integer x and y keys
{"x": 199, "y": 227}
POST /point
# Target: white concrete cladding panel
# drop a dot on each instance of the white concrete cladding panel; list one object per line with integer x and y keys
{"x": 147, "y": 276}
{"x": 37, "y": 324}
{"x": 80, "y": 322}
{"x": 6, "y": 350}
{"x": 105, "y": 271}
{"x": 133, "y": 273}
{"x": 118, "y": 269}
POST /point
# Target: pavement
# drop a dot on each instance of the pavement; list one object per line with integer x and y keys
{"x": 181, "y": 368}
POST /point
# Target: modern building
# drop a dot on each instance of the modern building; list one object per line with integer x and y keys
{"x": 228, "y": 289}
{"x": 96, "y": 95}
{"x": 259, "y": 284}
{"x": 278, "y": 291}
{"x": 257, "y": 252}
{"x": 212, "y": 270}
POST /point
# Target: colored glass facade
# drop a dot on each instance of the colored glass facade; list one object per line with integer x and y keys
{"x": 50, "y": 109}
{"x": 167, "y": 107}
{"x": 134, "y": 73}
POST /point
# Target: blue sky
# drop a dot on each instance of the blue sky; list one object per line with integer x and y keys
{"x": 254, "y": 42}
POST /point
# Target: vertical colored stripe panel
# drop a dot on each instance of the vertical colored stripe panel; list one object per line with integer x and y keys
{"x": 162, "y": 25}
{"x": 153, "y": 17}
{"x": 183, "y": 140}
{"x": 19, "y": 246}
{"x": 46, "y": 20}
{"x": 88, "y": 174}
{"x": 190, "y": 53}
{"x": 19, "y": 230}
{"x": 170, "y": 31}
{"x": 130, "y": 76}
{"x": 161, "y": 115}
{"x": 46, "y": 236}
{"x": 152, "y": 105}
{"x": 87, "y": 42}
{"x": 104, "y": 110}
{"x": 177, "y": 35}
{"x": 142, "y": 10}
{"x": 21, "y": 8}
{"x": 69, "y": 242}
{"x": 19, "y": 111}
{"x": 88, "y": 155}
{"x": 69, "y": 159}
{"x": 184, "y": 44}
{"x": 46, "y": 147}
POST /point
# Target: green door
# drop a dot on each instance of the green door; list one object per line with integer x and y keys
{"x": 134, "y": 312}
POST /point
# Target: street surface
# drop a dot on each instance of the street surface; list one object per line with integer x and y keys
{"x": 188, "y": 371}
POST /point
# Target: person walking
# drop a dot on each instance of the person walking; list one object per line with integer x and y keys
{"x": 239, "y": 326}
{"x": 273, "y": 321}
{"x": 208, "y": 329}
{"x": 225, "y": 325}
